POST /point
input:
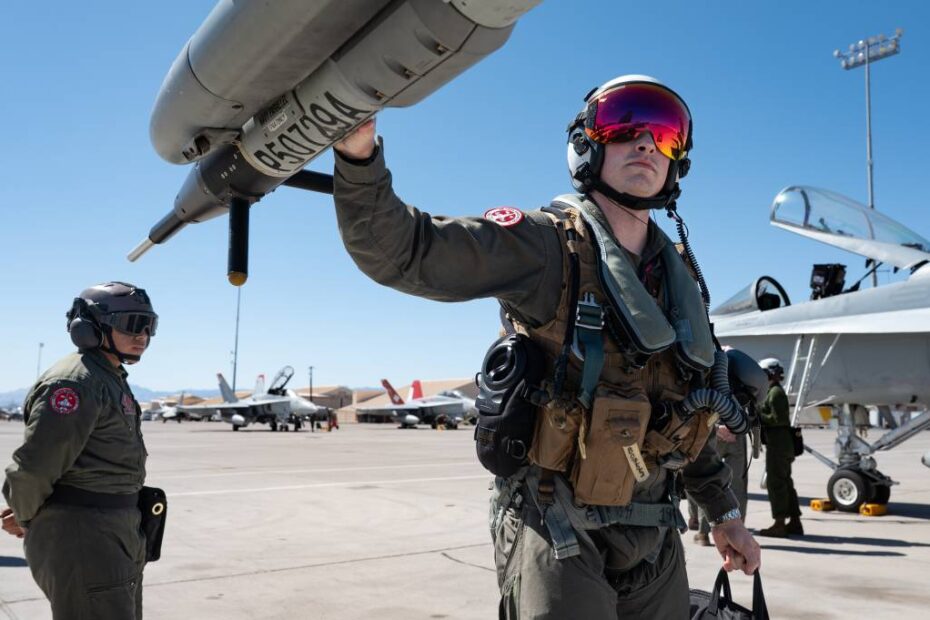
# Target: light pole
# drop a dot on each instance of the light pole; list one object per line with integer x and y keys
{"x": 865, "y": 52}
{"x": 39, "y": 361}
{"x": 236, "y": 347}
{"x": 311, "y": 383}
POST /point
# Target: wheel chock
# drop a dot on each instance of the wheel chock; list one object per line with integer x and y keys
{"x": 873, "y": 510}
{"x": 822, "y": 505}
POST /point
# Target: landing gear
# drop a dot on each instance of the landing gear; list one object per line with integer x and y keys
{"x": 848, "y": 490}
{"x": 235, "y": 427}
{"x": 880, "y": 494}
{"x": 274, "y": 426}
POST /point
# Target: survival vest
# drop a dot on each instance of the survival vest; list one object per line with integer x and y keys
{"x": 655, "y": 349}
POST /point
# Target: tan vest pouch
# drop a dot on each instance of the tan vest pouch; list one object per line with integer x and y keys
{"x": 612, "y": 462}
{"x": 556, "y": 436}
{"x": 688, "y": 437}
{"x": 703, "y": 424}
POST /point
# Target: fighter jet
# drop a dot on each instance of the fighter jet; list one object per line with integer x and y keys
{"x": 263, "y": 88}
{"x": 846, "y": 348}
{"x": 276, "y": 407}
{"x": 14, "y": 415}
{"x": 161, "y": 409}
{"x": 446, "y": 409}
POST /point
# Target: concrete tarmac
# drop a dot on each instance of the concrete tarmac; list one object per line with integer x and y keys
{"x": 373, "y": 522}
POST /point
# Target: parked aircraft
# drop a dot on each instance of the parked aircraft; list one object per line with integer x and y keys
{"x": 160, "y": 409}
{"x": 845, "y": 348}
{"x": 15, "y": 414}
{"x": 448, "y": 408}
{"x": 276, "y": 407}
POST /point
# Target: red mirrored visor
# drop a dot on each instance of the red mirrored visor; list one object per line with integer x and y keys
{"x": 132, "y": 322}
{"x": 626, "y": 112}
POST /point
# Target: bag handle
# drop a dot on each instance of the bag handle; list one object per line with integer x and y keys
{"x": 722, "y": 586}
{"x": 759, "y": 609}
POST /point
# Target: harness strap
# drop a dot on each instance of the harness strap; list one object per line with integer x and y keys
{"x": 589, "y": 325}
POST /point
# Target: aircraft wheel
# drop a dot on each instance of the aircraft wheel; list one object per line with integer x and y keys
{"x": 235, "y": 428}
{"x": 880, "y": 494}
{"x": 274, "y": 427}
{"x": 285, "y": 428}
{"x": 848, "y": 490}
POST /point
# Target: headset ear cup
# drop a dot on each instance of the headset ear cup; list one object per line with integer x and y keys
{"x": 683, "y": 167}
{"x": 84, "y": 334}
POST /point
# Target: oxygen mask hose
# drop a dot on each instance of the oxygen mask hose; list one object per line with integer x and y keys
{"x": 717, "y": 398}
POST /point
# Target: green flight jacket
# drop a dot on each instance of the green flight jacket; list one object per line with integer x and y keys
{"x": 82, "y": 430}
{"x": 463, "y": 258}
{"x": 775, "y": 410}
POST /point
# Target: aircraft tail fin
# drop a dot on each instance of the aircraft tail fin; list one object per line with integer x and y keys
{"x": 228, "y": 395}
{"x": 416, "y": 390}
{"x": 395, "y": 397}
{"x": 259, "y": 385}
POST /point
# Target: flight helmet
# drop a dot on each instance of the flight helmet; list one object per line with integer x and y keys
{"x": 622, "y": 110}
{"x": 100, "y": 309}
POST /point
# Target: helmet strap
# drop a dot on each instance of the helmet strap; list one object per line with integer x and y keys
{"x": 110, "y": 347}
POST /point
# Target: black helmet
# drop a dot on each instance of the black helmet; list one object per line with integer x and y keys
{"x": 103, "y": 307}
{"x": 747, "y": 379}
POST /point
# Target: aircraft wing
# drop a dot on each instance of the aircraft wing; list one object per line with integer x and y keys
{"x": 839, "y": 221}
{"x": 911, "y": 321}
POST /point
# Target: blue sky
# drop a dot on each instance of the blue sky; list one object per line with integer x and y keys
{"x": 82, "y": 184}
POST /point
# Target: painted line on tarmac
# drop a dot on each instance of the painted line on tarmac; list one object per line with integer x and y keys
{"x": 259, "y": 472}
{"x": 320, "y": 485}
{"x": 285, "y": 569}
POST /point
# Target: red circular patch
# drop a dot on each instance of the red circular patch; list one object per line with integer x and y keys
{"x": 505, "y": 216}
{"x": 64, "y": 401}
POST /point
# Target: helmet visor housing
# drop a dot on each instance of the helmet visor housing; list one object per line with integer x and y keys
{"x": 624, "y": 113}
{"x": 135, "y": 323}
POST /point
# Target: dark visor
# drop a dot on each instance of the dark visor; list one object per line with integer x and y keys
{"x": 132, "y": 322}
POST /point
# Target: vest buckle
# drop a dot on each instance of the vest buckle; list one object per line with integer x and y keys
{"x": 589, "y": 316}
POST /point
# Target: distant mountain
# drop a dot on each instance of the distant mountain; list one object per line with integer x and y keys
{"x": 15, "y": 398}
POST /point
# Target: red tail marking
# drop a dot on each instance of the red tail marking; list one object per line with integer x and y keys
{"x": 416, "y": 390}
{"x": 395, "y": 397}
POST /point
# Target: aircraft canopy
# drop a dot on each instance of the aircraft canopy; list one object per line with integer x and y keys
{"x": 842, "y": 222}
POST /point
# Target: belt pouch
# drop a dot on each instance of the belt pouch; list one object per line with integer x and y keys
{"x": 153, "y": 504}
{"x": 556, "y": 435}
{"x": 613, "y": 460}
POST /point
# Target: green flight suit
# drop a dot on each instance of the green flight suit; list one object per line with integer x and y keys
{"x": 82, "y": 432}
{"x": 779, "y": 454}
{"x": 620, "y": 571}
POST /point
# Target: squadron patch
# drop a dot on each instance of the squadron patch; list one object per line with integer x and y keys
{"x": 64, "y": 401}
{"x": 505, "y": 216}
{"x": 129, "y": 405}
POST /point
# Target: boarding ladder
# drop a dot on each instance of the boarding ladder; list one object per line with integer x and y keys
{"x": 804, "y": 370}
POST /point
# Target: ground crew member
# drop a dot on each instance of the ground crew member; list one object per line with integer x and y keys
{"x": 779, "y": 454}
{"x": 73, "y": 487}
{"x": 734, "y": 452}
{"x": 587, "y": 530}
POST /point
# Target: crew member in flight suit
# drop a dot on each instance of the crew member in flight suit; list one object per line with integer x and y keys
{"x": 73, "y": 487}
{"x": 779, "y": 454}
{"x": 589, "y": 528}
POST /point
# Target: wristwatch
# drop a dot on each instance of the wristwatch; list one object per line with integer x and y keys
{"x": 729, "y": 515}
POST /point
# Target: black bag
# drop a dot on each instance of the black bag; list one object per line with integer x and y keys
{"x": 719, "y": 605}
{"x": 154, "y": 508}
{"x": 797, "y": 440}
{"x": 510, "y": 373}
